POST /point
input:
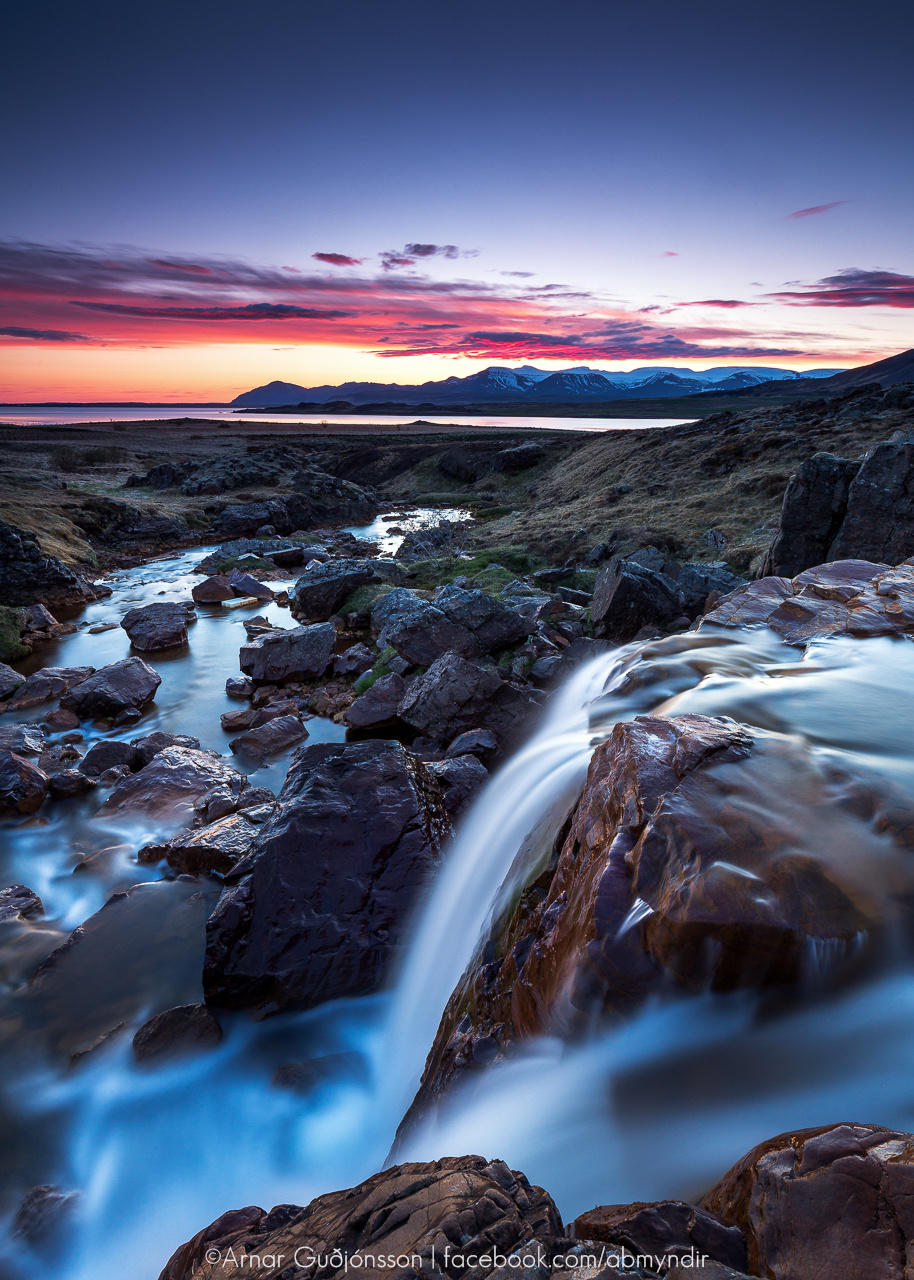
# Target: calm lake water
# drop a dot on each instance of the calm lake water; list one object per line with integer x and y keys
{"x": 38, "y": 415}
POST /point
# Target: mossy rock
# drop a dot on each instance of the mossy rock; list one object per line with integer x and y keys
{"x": 12, "y": 624}
{"x": 363, "y": 599}
{"x": 380, "y": 668}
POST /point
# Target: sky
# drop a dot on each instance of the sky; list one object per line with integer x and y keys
{"x": 199, "y": 197}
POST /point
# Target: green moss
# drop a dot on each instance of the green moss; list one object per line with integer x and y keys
{"x": 380, "y": 668}
{"x": 244, "y": 563}
{"x": 363, "y": 598}
{"x": 12, "y": 624}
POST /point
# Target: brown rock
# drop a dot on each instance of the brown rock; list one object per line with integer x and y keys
{"x": 123, "y": 686}
{"x": 173, "y": 783}
{"x": 278, "y": 734}
{"x": 213, "y": 590}
{"x": 23, "y": 786}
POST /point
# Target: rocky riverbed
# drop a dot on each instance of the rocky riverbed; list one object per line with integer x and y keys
{"x": 356, "y": 835}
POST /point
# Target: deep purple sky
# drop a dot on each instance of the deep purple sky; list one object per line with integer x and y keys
{"x": 571, "y": 182}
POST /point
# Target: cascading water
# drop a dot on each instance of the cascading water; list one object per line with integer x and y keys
{"x": 659, "y": 1106}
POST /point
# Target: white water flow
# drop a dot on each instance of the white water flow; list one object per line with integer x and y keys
{"x": 658, "y": 1106}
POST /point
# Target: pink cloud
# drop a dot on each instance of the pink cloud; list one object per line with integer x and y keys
{"x": 816, "y": 208}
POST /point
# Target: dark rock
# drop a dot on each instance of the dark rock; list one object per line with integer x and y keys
{"x": 353, "y": 661}
{"x": 481, "y": 743}
{"x": 158, "y": 626}
{"x": 151, "y": 744}
{"x": 47, "y": 684}
{"x": 278, "y": 734}
{"x": 493, "y": 626}
{"x": 304, "y": 1077}
{"x": 323, "y": 897}
{"x": 628, "y": 596}
{"x": 213, "y": 590}
{"x": 110, "y": 753}
{"x": 461, "y": 778}
{"x": 238, "y": 687}
{"x": 667, "y": 1228}
{"x": 10, "y": 681}
{"x": 120, "y": 525}
{"x": 243, "y": 584}
{"x": 519, "y": 457}
{"x": 25, "y": 739}
{"x": 323, "y": 588}
{"x": 297, "y": 654}
{"x": 442, "y": 539}
{"x": 287, "y": 557}
{"x": 455, "y": 695}
{"x": 247, "y": 517}
{"x": 175, "y": 782}
{"x": 701, "y": 582}
{"x": 815, "y": 502}
{"x": 60, "y": 718}
{"x": 69, "y": 782}
{"x": 418, "y": 630}
{"x": 187, "y": 1029}
{"x": 462, "y": 1204}
{"x": 23, "y": 786}
{"x": 123, "y": 686}
{"x": 214, "y": 849}
{"x": 42, "y": 1213}
{"x": 19, "y": 903}
{"x": 377, "y": 707}
{"x": 463, "y": 464}
{"x": 832, "y": 1202}
{"x": 27, "y": 574}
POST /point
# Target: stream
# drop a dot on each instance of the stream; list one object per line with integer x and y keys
{"x": 658, "y": 1106}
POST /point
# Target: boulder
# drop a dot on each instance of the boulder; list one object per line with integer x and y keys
{"x": 481, "y": 743}
{"x": 418, "y": 630}
{"x": 460, "y": 778}
{"x": 110, "y": 753}
{"x": 377, "y": 707}
{"x": 833, "y": 1202}
{"x": 243, "y": 584}
{"x": 455, "y": 695}
{"x": 318, "y": 908}
{"x": 27, "y": 574}
{"x": 47, "y": 684}
{"x": 492, "y": 624}
{"x": 213, "y": 590}
{"x": 628, "y": 596}
{"x": 211, "y": 850}
{"x": 150, "y": 744}
{"x": 519, "y": 457}
{"x": 278, "y": 734}
{"x": 665, "y": 1229}
{"x": 128, "y": 685}
{"x": 177, "y": 781}
{"x": 238, "y": 687}
{"x": 69, "y": 782}
{"x": 23, "y": 786}
{"x": 247, "y": 517}
{"x": 298, "y": 654}
{"x": 19, "y": 903}
{"x": 158, "y": 626}
{"x": 25, "y": 739}
{"x": 120, "y": 525}
{"x": 186, "y": 1029}
{"x": 463, "y": 1205}
{"x": 323, "y": 588}
{"x": 811, "y": 514}
{"x": 353, "y": 661}
{"x": 442, "y": 539}
{"x": 10, "y": 681}
{"x": 286, "y": 557}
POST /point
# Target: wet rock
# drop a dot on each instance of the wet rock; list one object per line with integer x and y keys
{"x": 320, "y": 903}
{"x": 418, "y": 630}
{"x": 187, "y": 1029}
{"x": 60, "y": 718}
{"x": 214, "y": 849}
{"x": 832, "y": 1202}
{"x": 377, "y": 707}
{"x": 492, "y": 624}
{"x": 42, "y": 1214}
{"x": 27, "y": 574}
{"x": 25, "y": 739}
{"x": 150, "y": 744}
{"x": 844, "y": 597}
{"x": 461, "y": 778}
{"x": 298, "y": 654}
{"x": 158, "y": 626}
{"x": 23, "y": 786}
{"x": 243, "y": 584}
{"x": 10, "y": 681}
{"x": 278, "y": 734}
{"x": 123, "y": 686}
{"x": 354, "y": 661}
{"x": 665, "y": 1229}
{"x": 701, "y": 582}
{"x": 19, "y": 903}
{"x": 462, "y": 1204}
{"x": 455, "y": 695}
{"x": 213, "y": 590}
{"x": 109, "y": 753}
{"x": 628, "y": 597}
{"x": 481, "y": 743}
{"x": 174, "y": 782}
{"x": 323, "y": 588}
{"x": 238, "y": 687}
{"x": 47, "y": 684}
{"x": 69, "y": 782}
{"x": 304, "y": 1077}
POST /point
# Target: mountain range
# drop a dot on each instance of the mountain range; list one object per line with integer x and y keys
{"x": 528, "y": 384}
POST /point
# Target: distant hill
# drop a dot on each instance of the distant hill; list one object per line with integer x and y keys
{"x": 529, "y": 385}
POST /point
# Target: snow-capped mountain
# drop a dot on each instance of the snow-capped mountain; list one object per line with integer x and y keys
{"x": 499, "y": 383}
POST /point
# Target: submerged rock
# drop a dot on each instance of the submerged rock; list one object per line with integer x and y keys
{"x": 123, "y": 686}
{"x": 186, "y": 1029}
{"x": 322, "y": 899}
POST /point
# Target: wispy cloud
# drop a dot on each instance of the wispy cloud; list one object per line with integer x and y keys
{"x": 854, "y": 287}
{"x": 816, "y": 209}
{"x": 728, "y": 303}
{"x": 336, "y": 259}
{"x": 23, "y": 334}
{"x": 251, "y": 311}
{"x": 670, "y": 253}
